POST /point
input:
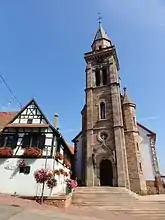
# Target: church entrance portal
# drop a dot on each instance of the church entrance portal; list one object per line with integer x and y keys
{"x": 106, "y": 173}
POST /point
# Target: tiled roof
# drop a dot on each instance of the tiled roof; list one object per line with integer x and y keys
{"x": 71, "y": 149}
{"x": 15, "y": 125}
{"x": 6, "y": 117}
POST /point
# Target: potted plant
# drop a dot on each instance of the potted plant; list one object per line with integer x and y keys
{"x": 42, "y": 175}
{"x": 51, "y": 183}
{"x": 71, "y": 185}
{"x": 32, "y": 152}
{"x": 6, "y": 152}
{"x": 22, "y": 165}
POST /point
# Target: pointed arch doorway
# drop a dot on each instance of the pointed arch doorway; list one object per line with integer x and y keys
{"x": 106, "y": 173}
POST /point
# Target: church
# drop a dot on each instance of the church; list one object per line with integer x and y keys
{"x": 112, "y": 149}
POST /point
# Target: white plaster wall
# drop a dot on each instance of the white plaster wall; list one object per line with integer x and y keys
{"x": 145, "y": 150}
{"x": 78, "y": 163}
{"x": 12, "y": 181}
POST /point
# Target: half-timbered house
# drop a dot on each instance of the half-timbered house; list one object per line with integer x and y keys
{"x": 28, "y": 142}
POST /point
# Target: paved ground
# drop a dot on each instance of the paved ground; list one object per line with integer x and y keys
{"x": 16, "y": 213}
{"x": 13, "y": 208}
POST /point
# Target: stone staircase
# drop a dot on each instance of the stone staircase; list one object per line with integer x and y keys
{"x": 116, "y": 199}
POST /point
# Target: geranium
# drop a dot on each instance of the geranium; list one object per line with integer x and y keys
{"x": 66, "y": 174}
{"x": 59, "y": 156}
{"x": 57, "y": 172}
{"x": 32, "y": 152}
{"x": 67, "y": 163}
{"x": 72, "y": 184}
{"x": 42, "y": 175}
{"x": 51, "y": 183}
{"x": 6, "y": 152}
{"x": 61, "y": 171}
{"x": 22, "y": 164}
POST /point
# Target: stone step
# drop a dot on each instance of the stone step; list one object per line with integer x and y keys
{"x": 94, "y": 196}
{"x": 118, "y": 206}
{"x": 101, "y": 189}
{"x": 103, "y": 202}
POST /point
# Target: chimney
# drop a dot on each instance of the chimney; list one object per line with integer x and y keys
{"x": 56, "y": 121}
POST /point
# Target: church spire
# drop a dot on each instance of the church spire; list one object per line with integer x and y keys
{"x": 101, "y": 34}
{"x": 126, "y": 98}
{"x": 101, "y": 39}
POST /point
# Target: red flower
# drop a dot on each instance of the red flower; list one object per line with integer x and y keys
{"x": 22, "y": 163}
{"x": 6, "y": 152}
{"x": 32, "y": 152}
{"x": 66, "y": 174}
{"x": 67, "y": 163}
{"x": 61, "y": 171}
{"x": 57, "y": 172}
{"x": 59, "y": 156}
{"x": 51, "y": 183}
{"x": 42, "y": 175}
{"x": 72, "y": 184}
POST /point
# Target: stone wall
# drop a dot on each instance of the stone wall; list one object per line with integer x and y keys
{"x": 60, "y": 202}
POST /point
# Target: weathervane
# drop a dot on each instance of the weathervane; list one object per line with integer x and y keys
{"x": 99, "y": 18}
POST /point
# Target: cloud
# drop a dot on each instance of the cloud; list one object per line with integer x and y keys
{"x": 69, "y": 130}
{"x": 149, "y": 118}
{"x": 146, "y": 13}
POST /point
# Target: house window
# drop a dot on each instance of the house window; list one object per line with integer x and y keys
{"x": 134, "y": 121}
{"x": 104, "y": 75}
{"x": 102, "y": 110}
{"x": 137, "y": 146}
{"x": 29, "y": 121}
{"x": 100, "y": 47}
{"x": 97, "y": 76}
{"x": 34, "y": 140}
{"x": 8, "y": 140}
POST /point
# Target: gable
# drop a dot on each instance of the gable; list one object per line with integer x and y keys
{"x": 31, "y": 114}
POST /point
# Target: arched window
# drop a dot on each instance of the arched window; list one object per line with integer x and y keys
{"x": 102, "y": 110}
{"x": 104, "y": 72}
{"x": 97, "y": 76}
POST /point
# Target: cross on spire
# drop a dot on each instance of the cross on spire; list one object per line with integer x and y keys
{"x": 99, "y": 18}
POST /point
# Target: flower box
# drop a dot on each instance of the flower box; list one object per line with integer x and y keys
{"x": 32, "y": 152}
{"x": 6, "y": 152}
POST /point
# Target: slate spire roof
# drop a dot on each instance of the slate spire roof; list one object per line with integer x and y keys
{"x": 126, "y": 98}
{"x": 101, "y": 34}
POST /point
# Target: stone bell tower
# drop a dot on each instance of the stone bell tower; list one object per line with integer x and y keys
{"x": 104, "y": 147}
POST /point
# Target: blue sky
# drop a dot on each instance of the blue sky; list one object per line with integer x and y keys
{"x": 42, "y": 43}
